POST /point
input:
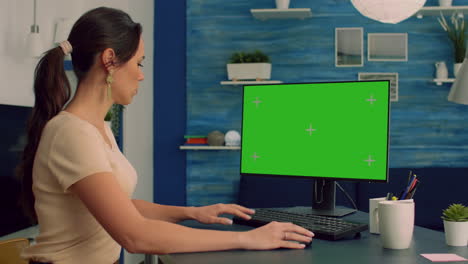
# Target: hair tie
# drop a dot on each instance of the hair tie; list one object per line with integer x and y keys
{"x": 66, "y": 47}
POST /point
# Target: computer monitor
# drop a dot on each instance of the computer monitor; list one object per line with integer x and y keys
{"x": 327, "y": 131}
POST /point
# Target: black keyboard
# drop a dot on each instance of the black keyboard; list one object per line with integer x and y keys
{"x": 324, "y": 227}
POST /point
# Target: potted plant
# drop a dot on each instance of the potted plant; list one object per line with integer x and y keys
{"x": 249, "y": 66}
{"x": 456, "y": 31}
{"x": 456, "y": 225}
{"x": 112, "y": 118}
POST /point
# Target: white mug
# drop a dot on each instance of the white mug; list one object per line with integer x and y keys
{"x": 374, "y": 215}
{"x": 396, "y": 223}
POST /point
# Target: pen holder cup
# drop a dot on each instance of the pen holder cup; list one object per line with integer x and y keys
{"x": 396, "y": 223}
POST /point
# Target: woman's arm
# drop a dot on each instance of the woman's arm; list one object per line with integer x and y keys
{"x": 205, "y": 214}
{"x": 167, "y": 213}
{"x": 110, "y": 205}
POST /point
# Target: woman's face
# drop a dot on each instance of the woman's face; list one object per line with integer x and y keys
{"x": 128, "y": 76}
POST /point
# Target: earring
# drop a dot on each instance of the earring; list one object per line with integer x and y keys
{"x": 109, "y": 81}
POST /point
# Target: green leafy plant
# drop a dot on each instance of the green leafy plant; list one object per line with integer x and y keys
{"x": 113, "y": 115}
{"x": 108, "y": 116}
{"x": 249, "y": 57}
{"x": 456, "y": 31}
{"x": 455, "y": 213}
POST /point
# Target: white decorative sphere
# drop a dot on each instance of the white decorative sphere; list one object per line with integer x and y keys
{"x": 232, "y": 138}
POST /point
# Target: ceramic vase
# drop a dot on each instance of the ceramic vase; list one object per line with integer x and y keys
{"x": 441, "y": 70}
{"x": 282, "y": 4}
{"x": 445, "y": 2}
{"x": 456, "y": 233}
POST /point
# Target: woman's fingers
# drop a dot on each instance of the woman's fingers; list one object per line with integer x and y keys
{"x": 290, "y": 227}
{"x": 291, "y": 236}
{"x": 276, "y": 235}
{"x": 237, "y": 210}
{"x": 222, "y": 220}
{"x": 289, "y": 244}
{"x": 243, "y": 209}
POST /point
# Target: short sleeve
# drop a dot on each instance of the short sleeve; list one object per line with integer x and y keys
{"x": 77, "y": 151}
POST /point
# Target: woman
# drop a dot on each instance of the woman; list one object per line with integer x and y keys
{"x": 79, "y": 185}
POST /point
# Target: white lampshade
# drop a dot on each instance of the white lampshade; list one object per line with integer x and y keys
{"x": 459, "y": 91}
{"x": 34, "y": 44}
{"x": 388, "y": 11}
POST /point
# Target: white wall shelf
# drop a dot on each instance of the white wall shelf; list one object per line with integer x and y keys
{"x": 441, "y": 81}
{"x": 209, "y": 147}
{"x": 290, "y": 13}
{"x": 248, "y": 82}
{"x": 436, "y": 10}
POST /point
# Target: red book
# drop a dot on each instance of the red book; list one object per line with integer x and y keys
{"x": 197, "y": 141}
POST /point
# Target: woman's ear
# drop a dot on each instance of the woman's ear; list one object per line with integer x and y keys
{"x": 108, "y": 59}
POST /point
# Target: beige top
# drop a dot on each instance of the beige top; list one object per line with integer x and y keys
{"x": 69, "y": 150}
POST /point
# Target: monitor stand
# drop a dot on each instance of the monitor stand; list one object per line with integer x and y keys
{"x": 323, "y": 200}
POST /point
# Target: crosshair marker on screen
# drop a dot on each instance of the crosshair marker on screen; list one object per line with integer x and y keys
{"x": 369, "y": 160}
{"x": 371, "y": 99}
{"x": 310, "y": 130}
{"x": 256, "y": 102}
{"x": 254, "y": 156}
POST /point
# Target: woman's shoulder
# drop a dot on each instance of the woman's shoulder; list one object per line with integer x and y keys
{"x": 68, "y": 124}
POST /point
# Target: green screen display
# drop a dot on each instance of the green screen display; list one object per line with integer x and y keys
{"x": 328, "y": 130}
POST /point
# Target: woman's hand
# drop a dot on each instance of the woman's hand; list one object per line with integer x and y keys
{"x": 275, "y": 235}
{"x": 210, "y": 214}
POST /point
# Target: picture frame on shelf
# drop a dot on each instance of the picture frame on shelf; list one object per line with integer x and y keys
{"x": 349, "y": 48}
{"x": 387, "y": 46}
{"x": 391, "y": 76}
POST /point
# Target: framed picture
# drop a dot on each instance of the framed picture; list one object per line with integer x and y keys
{"x": 349, "y": 47}
{"x": 391, "y": 76}
{"x": 387, "y": 47}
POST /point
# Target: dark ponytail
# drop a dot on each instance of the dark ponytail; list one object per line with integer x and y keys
{"x": 95, "y": 31}
{"x": 52, "y": 91}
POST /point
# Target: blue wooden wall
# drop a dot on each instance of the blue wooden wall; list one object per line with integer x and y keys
{"x": 169, "y": 101}
{"x": 426, "y": 129}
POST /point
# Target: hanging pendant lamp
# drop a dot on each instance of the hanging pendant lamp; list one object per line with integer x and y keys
{"x": 388, "y": 11}
{"x": 34, "y": 42}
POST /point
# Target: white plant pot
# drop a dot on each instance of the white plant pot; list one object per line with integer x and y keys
{"x": 456, "y": 233}
{"x": 445, "y": 2}
{"x": 282, "y": 4}
{"x": 249, "y": 71}
{"x": 456, "y": 67}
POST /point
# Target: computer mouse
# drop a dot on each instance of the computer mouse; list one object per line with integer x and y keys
{"x": 307, "y": 244}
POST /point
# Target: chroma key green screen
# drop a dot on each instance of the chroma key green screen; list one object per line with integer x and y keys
{"x": 336, "y": 130}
